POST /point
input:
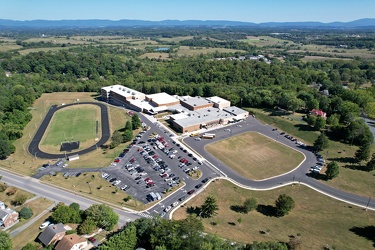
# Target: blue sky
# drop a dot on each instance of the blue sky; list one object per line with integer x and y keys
{"x": 237, "y": 10}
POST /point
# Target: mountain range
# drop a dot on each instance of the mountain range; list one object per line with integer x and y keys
{"x": 92, "y": 23}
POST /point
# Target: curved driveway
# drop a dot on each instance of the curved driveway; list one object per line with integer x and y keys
{"x": 34, "y": 144}
{"x": 298, "y": 175}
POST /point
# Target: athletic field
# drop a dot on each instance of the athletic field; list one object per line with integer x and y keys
{"x": 75, "y": 123}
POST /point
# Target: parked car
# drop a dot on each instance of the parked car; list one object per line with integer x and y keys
{"x": 198, "y": 186}
{"x": 92, "y": 239}
{"x": 191, "y": 192}
{"x": 45, "y": 224}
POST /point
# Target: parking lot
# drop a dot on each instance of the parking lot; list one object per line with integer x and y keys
{"x": 152, "y": 164}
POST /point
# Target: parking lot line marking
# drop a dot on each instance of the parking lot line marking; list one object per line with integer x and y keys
{"x": 156, "y": 211}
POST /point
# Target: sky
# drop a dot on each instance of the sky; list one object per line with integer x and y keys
{"x": 256, "y": 11}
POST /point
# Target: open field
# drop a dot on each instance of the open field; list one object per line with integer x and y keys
{"x": 101, "y": 189}
{"x": 262, "y": 41}
{"x": 27, "y": 51}
{"x": 320, "y": 58}
{"x": 319, "y": 220}
{"x": 175, "y": 39}
{"x": 29, "y": 235}
{"x": 8, "y": 46}
{"x": 156, "y": 55}
{"x": 350, "y": 180}
{"x": 75, "y": 123}
{"x": 255, "y": 156}
{"x": 187, "y": 51}
{"x": 56, "y": 40}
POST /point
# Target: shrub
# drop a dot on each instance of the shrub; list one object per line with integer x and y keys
{"x": 19, "y": 200}
{"x": 11, "y": 191}
{"x": 3, "y": 187}
{"x": 26, "y": 213}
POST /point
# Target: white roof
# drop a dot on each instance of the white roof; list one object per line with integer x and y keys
{"x": 122, "y": 90}
{"x": 216, "y": 99}
{"x": 162, "y": 98}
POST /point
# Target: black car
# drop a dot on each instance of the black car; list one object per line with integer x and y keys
{"x": 78, "y": 174}
{"x": 171, "y": 149}
{"x": 172, "y": 175}
{"x": 182, "y": 198}
{"x": 205, "y": 180}
{"x": 176, "y": 178}
{"x": 113, "y": 179}
{"x": 198, "y": 186}
{"x": 141, "y": 142}
{"x": 138, "y": 178}
{"x": 190, "y": 155}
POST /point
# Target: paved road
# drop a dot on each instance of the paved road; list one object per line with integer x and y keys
{"x": 34, "y": 144}
{"x": 299, "y": 175}
{"x": 58, "y": 195}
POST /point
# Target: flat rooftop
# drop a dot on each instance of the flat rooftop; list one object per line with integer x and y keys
{"x": 202, "y": 116}
{"x": 162, "y": 98}
{"x": 196, "y": 101}
{"x": 235, "y": 110}
{"x": 216, "y": 99}
{"x": 123, "y": 91}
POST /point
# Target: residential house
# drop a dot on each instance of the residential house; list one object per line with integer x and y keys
{"x": 8, "y": 217}
{"x": 318, "y": 112}
{"x": 71, "y": 242}
{"x": 52, "y": 234}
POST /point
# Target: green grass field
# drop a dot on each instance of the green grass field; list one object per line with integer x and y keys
{"x": 76, "y": 123}
{"x": 318, "y": 219}
{"x": 255, "y": 156}
{"x": 350, "y": 180}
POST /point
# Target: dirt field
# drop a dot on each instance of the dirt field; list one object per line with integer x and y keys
{"x": 255, "y": 156}
{"x": 319, "y": 220}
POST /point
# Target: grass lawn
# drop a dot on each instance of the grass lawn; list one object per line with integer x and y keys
{"x": 156, "y": 55}
{"x": 350, "y": 180}
{"x": 30, "y": 234}
{"x": 255, "y": 156}
{"x": 319, "y": 220}
{"x": 101, "y": 189}
{"x": 76, "y": 123}
{"x": 187, "y": 51}
{"x": 8, "y": 199}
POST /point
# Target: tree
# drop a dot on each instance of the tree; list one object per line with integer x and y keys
{"x": 320, "y": 123}
{"x": 86, "y": 227}
{"x": 363, "y": 153}
{"x": 249, "y": 205}
{"x": 348, "y": 111}
{"x": 116, "y": 139}
{"x": 19, "y": 200}
{"x": 29, "y": 246}
{"x": 75, "y": 206}
{"x": 102, "y": 215}
{"x": 125, "y": 240}
{"x": 136, "y": 122}
{"x": 66, "y": 214}
{"x": 127, "y": 136}
{"x": 128, "y": 125}
{"x": 371, "y": 164}
{"x": 332, "y": 170}
{"x": 6, "y": 148}
{"x": 284, "y": 204}
{"x": 334, "y": 120}
{"x": 5, "y": 241}
{"x": 311, "y": 119}
{"x": 321, "y": 142}
{"x": 209, "y": 207}
{"x": 26, "y": 213}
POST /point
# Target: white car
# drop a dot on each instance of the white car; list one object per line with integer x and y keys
{"x": 168, "y": 208}
{"x": 195, "y": 168}
{"x": 172, "y": 156}
{"x": 45, "y": 224}
{"x": 175, "y": 204}
{"x": 198, "y": 139}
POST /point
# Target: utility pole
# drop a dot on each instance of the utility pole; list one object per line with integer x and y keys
{"x": 88, "y": 183}
{"x": 368, "y": 203}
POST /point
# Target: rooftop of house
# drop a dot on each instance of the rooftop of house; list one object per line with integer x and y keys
{"x": 162, "y": 98}
{"x": 196, "y": 101}
{"x": 235, "y": 110}
{"x": 68, "y": 241}
{"x": 47, "y": 235}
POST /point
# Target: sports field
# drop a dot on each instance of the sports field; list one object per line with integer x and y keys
{"x": 75, "y": 123}
{"x": 255, "y": 156}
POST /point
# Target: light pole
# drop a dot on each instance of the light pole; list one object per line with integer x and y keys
{"x": 88, "y": 183}
{"x": 368, "y": 203}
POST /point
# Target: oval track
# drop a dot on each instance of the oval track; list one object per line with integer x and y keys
{"x": 34, "y": 144}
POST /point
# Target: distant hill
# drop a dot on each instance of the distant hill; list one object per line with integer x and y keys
{"x": 91, "y": 23}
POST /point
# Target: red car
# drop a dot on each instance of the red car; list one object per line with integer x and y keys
{"x": 150, "y": 184}
{"x": 92, "y": 239}
{"x": 155, "y": 156}
{"x": 191, "y": 191}
{"x": 164, "y": 175}
{"x": 132, "y": 160}
{"x": 182, "y": 160}
{"x": 116, "y": 160}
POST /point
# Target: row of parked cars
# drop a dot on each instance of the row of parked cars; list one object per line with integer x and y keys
{"x": 115, "y": 182}
{"x": 319, "y": 165}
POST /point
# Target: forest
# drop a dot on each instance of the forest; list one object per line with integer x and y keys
{"x": 290, "y": 84}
